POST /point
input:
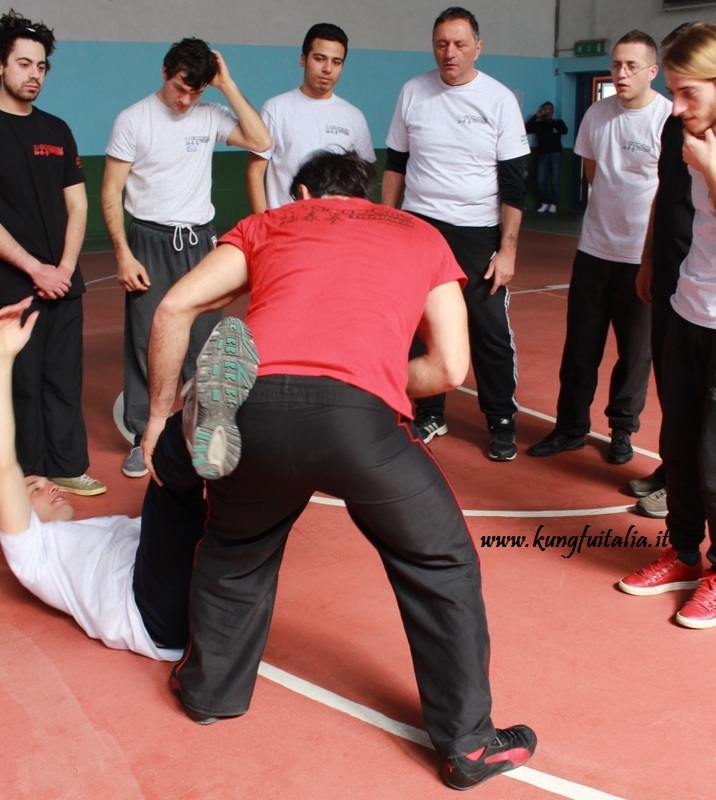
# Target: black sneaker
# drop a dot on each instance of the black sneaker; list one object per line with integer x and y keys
{"x": 511, "y": 748}
{"x": 503, "y": 446}
{"x": 620, "y": 451}
{"x": 225, "y": 374}
{"x": 429, "y": 427}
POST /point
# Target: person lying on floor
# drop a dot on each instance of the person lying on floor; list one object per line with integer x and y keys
{"x": 125, "y": 581}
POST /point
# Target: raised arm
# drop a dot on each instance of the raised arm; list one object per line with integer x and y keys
{"x": 15, "y": 507}
{"x": 255, "y": 186}
{"x": 250, "y": 133}
{"x": 443, "y": 330}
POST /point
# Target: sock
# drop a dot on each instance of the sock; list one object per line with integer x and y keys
{"x": 690, "y": 559}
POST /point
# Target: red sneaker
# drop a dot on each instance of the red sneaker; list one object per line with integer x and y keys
{"x": 666, "y": 574}
{"x": 700, "y": 611}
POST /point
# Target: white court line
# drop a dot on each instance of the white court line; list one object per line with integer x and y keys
{"x": 99, "y": 280}
{"x": 542, "y": 780}
{"x": 550, "y": 288}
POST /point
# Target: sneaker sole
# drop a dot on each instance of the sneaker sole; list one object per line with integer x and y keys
{"x": 501, "y": 457}
{"x": 620, "y": 459}
{"x": 695, "y": 624}
{"x": 226, "y": 372}
{"x": 567, "y": 448}
{"x": 135, "y": 473}
{"x": 79, "y": 492}
{"x": 645, "y": 512}
{"x": 640, "y": 591}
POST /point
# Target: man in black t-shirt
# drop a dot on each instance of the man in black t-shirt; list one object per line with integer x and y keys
{"x": 43, "y": 215}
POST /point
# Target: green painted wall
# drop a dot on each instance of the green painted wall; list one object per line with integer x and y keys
{"x": 229, "y": 195}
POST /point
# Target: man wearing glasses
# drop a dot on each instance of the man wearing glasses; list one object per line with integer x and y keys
{"x": 619, "y": 140}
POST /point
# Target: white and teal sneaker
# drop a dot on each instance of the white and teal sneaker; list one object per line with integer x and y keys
{"x": 225, "y": 374}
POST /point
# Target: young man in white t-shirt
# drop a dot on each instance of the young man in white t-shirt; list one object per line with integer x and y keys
{"x": 619, "y": 140}
{"x": 160, "y": 152}
{"x": 688, "y": 431}
{"x": 456, "y": 149}
{"x": 305, "y": 120}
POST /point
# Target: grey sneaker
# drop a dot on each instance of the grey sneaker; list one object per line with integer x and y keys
{"x": 82, "y": 485}
{"x": 653, "y": 505}
{"x": 225, "y": 374}
{"x": 641, "y": 487}
{"x": 133, "y": 466}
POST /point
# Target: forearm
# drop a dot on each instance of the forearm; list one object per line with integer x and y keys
{"x": 511, "y": 222}
{"x": 74, "y": 237}
{"x": 14, "y": 253}
{"x": 393, "y": 188}
{"x": 168, "y": 344}
{"x": 113, "y": 214}
{"x": 254, "y": 133}
{"x": 255, "y": 186}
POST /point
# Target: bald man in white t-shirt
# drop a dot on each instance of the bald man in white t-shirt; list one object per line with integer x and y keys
{"x": 620, "y": 141}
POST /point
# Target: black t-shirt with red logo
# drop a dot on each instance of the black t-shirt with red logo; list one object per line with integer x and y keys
{"x": 38, "y": 160}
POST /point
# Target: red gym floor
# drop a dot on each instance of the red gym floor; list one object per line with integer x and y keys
{"x": 614, "y": 689}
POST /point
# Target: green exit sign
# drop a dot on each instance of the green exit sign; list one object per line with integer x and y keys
{"x": 590, "y": 47}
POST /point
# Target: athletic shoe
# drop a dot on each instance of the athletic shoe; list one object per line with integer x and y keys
{"x": 543, "y": 208}
{"x": 620, "y": 451}
{"x": 503, "y": 445}
{"x": 511, "y": 748}
{"x": 666, "y": 574}
{"x": 556, "y": 442}
{"x": 428, "y": 427}
{"x": 552, "y": 208}
{"x": 225, "y": 374}
{"x": 653, "y": 505}
{"x": 82, "y": 485}
{"x": 133, "y": 466}
{"x": 641, "y": 487}
{"x": 700, "y": 611}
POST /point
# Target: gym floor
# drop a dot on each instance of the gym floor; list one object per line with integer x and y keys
{"x": 335, "y": 712}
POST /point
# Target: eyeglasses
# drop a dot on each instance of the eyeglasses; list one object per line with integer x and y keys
{"x": 629, "y": 68}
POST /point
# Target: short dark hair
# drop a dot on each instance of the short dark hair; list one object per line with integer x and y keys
{"x": 457, "y": 12}
{"x": 639, "y": 37}
{"x": 14, "y": 26}
{"x": 327, "y": 31}
{"x": 327, "y": 174}
{"x": 193, "y": 61}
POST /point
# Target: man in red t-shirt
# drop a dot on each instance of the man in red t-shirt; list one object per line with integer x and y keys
{"x": 339, "y": 285}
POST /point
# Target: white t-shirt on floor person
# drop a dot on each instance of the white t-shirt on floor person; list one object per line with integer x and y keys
{"x": 85, "y": 569}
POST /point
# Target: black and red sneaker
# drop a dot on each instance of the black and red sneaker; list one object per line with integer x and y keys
{"x": 511, "y": 748}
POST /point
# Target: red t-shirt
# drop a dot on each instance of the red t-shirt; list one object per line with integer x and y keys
{"x": 338, "y": 287}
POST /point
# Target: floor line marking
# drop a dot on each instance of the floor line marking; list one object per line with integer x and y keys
{"x": 542, "y": 780}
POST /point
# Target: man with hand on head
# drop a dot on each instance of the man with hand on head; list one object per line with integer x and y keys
{"x": 160, "y": 152}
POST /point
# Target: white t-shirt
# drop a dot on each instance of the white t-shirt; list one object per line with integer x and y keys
{"x": 455, "y": 136}
{"x": 85, "y": 569}
{"x": 170, "y": 179}
{"x": 695, "y": 297}
{"x": 300, "y": 125}
{"x": 625, "y": 143}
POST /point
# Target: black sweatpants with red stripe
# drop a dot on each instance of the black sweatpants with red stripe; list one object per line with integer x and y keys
{"x": 307, "y": 434}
